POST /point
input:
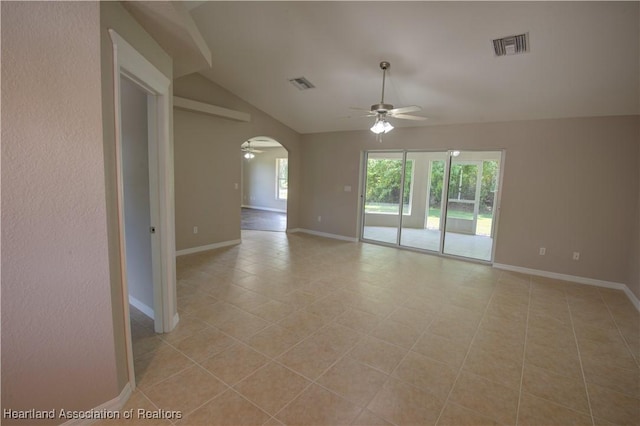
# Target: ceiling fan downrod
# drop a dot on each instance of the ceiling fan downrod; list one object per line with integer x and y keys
{"x": 382, "y": 108}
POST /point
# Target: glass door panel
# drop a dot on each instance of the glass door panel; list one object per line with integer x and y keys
{"x": 383, "y": 191}
{"x": 473, "y": 180}
{"x": 423, "y": 192}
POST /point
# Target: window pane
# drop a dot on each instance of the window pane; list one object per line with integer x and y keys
{"x": 282, "y": 182}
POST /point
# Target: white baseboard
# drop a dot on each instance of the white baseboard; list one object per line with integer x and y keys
{"x": 574, "y": 279}
{"x": 111, "y": 406}
{"x": 207, "y": 247}
{"x": 268, "y": 209}
{"x": 323, "y": 234}
{"x": 148, "y": 311}
{"x": 176, "y": 320}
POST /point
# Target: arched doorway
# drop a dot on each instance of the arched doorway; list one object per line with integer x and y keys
{"x": 264, "y": 185}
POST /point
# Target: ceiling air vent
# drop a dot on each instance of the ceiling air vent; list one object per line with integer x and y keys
{"x": 511, "y": 45}
{"x": 301, "y": 83}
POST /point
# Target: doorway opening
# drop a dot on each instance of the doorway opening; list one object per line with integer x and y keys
{"x": 443, "y": 202}
{"x": 144, "y": 175}
{"x": 265, "y": 185}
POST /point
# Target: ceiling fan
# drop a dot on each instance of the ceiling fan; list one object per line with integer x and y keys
{"x": 249, "y": 152}
{"x": 384, "y": 111}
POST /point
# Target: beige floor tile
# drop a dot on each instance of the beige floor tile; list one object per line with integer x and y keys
{"x": 336, "y": 337}
{"x": 318, "y": 406}
{"x": 613, "y": 406}
{"x": 217, "y": 313}
{"x": 441, "y": 349}
{"x": 372, "y": 306}
{"x": 272, "y": 311}
{"x": 273, "y": 340}
{"x": 204, "y": 344}
{"x": 352, "y": 380}
{"x": 330, "y": 298}
{"x": 378, "y": 354}
{"x": 612, "y": 377}
{"x": 491, "y": 341}
{"x": 420, "y": 371}
{"x": 455, "y": 415}
{"x": 367, "y": 418}
{"x": 455, "y": 330}
{"x": 302, "y": 323}
{"x": 413, "y": 318}
{"x": 138, "y": 401}
{"x": 297, "y": 299}
{"x": 310, "y": 358}
{"x": 551, "y": 336}
{"x": 187, "y": 326}
{"x": 272, "y": 387}
{"x": 402, "y": 404}
{"x": 562, "y": 390}
{"x": 560, "y": 360}
{"x": 499, "y": 367}
{"x": 326, "y": 308}
{"x": 357, "y": 320}
{"x": 186, "y": 390}
{"x": 616, "y": 354}
{"x": 488, "y": 398}
{"x": 145, "y": 343}
{"x": 228, "y": 409}
{"x": 273, "y": 422}
{"x": 396, "y": 333}
{"x": 235, "y": 363}
{"x": 156, "y": 366}
{"x": 244, "y": 326}
{"x": 536, "y": 411}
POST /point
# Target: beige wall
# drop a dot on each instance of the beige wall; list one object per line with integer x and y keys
{"x": 634, "y": 273}
{"x": 569, "y": 185}
{"x": 57, "y": 329}
{"x": 208, "y": 164}
{"x": 114, "y": 16}
{"x": 259, "y": 180}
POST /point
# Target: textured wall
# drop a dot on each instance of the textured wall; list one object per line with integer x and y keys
{"x": 57, "y": 330}
{"x": 208, "y": 164}
{"x": 569, "y": 185}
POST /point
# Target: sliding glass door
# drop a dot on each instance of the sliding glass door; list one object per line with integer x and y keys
{"x": 473, "y": 180}
{"x": 442, "y": 202}
{"x": 382, "y": 193}
{"x": 421, "y": 221}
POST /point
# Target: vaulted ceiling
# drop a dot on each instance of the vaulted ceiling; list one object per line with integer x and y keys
{"x": 584, "y": 59}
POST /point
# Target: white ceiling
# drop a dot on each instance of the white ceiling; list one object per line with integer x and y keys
{"x": 584, "y": 59}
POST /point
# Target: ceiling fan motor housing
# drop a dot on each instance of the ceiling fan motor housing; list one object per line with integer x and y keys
{"x": 381, "y": 108}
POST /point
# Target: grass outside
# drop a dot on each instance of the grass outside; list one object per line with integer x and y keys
{"x": 483, "y": 225}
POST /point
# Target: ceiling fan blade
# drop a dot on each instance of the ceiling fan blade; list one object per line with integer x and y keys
{"x": 402, "y": 110}
{"x": 257, "y": 151}
{"x": 408, "y": 117}
{"x": 360, "y": 109}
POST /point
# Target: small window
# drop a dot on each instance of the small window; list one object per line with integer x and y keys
{"x": 282, "y": 178}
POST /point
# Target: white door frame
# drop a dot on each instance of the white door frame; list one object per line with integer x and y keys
{"x": 129, "y": 62}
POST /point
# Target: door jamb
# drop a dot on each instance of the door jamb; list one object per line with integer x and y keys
{"x": 129, "y": 62}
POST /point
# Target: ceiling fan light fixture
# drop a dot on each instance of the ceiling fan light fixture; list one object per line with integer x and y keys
{"x": 249, "y": 155}
{"x": 378, "y": 127}
{"x": 381, "y": 126}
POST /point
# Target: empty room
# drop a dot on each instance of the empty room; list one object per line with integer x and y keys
{"x": 320, "y": 213}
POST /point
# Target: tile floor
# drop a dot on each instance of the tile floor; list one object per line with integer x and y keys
{"x": 301, "y": 330}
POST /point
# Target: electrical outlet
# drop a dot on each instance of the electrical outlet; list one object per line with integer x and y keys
{"x": 542, "y": 251}
{"x": 195, "y": 229}
{"x": 576, "y": 255}
{"x": 319, "y": 218}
